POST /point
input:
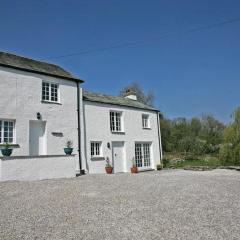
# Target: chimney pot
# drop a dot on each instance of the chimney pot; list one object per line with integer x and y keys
{"x": 130, "y": 94}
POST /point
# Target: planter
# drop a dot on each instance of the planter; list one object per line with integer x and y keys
{"x": 109, "y": 170}
{"x": 68, "y": 151}
{"x": 6, "y": 152}
{"x": 134, "y": 170}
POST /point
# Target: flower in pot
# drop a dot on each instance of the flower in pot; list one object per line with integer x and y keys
{"x": 69, "y": 147}
{"x": 134, "y": 168}
{"x": 6, "y": 151}
{"x": 108, "y": 168}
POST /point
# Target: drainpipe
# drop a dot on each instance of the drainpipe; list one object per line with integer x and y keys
{"x": 159, "y": 138}
{"x": 81, "y": 171}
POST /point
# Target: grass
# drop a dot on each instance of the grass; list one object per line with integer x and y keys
{"x": 177, "y": 161}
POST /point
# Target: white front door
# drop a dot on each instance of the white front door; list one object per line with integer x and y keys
{"x": 37, "y": 138}
{"x": 118, "y": 156}
{"x": 142, "y": 155}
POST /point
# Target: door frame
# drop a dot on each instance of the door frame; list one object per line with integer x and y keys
{"x": 44, "y": 138}
{"x": 123, "y": 155}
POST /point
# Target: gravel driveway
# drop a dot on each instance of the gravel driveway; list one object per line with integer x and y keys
{"x": 174, "y": 204}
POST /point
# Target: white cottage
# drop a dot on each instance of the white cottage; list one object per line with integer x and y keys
{"x": 122, "y": 129}
{"x": 39, "y": 105}
{"x": 42, "y": 106}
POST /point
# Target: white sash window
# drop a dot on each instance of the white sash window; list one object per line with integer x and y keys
{"x": 96, "y": 150}
{"x": 7, "y": 131}
{"x": 115, "y": 121}
{"x": 50, "y": 92}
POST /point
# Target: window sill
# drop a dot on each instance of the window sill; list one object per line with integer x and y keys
{"x": 97, "y": 158}
{"x": 48, "y": 102}
{"x": 147, "y": 128}
{"x": 13, "y": 145}
{"x": 116, "y": 132}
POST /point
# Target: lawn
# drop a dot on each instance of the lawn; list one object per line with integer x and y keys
{"x": 178, "y": 160}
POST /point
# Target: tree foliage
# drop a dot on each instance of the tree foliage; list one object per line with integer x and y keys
{"x": 230, "y": 150}
{"x": 197, "y": 135}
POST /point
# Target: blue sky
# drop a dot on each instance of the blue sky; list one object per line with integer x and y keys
{"x": 189, "y": 74}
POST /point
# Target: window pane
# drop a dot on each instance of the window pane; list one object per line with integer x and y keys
{"x": 45, "y": 91}
{"x": 7, "y": 131}
{"x": 146, "y": 154}
{"x": 145, "y": 121}
{"x": 95, "y": 149}
{"x": 115, "y": 121}
{"x": 54, "y": 92}
{"x": 92, "y": 149}
{"x": 118, "y": 122}
{"x": 138, "y": 155}
{"x": 112, "y": 121}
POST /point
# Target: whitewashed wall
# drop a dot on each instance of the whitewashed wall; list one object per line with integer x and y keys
{"x": 96, "y": 127}
{"x": 37, "y": 168}
{"x": 20, "y": 100}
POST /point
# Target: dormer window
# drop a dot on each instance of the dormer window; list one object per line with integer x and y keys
{"x": 145, "y": 121}
{"x": 50, "y": 92}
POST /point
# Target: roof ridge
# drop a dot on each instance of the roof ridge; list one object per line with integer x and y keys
{"x": 36, "y": 66}
{"x": 115, "y": 100}
{"x": 28, "y": 58}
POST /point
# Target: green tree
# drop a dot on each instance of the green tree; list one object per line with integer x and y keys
{"x": 230, "y": 150}
{"x": 166, "y": 134}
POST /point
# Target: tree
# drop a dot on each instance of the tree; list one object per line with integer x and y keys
{"x": 212, "y": 132}
{"x": 230, "y": 150}
{"x": 146, "y": 98}
{"x": 166, "y": 134}
{"x": 195, "y": 126}
{"x": 196, "y": 135}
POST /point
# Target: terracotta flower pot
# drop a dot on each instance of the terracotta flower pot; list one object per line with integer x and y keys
{"x": 109, "y": 170}
{"x": 134, "y": 169}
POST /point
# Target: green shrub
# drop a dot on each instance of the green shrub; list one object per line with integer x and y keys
{"x": 159, "y": 167}
{"x": 165, "y": 162}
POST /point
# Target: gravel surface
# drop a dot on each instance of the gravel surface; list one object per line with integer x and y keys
{"x": 170, "y": 204}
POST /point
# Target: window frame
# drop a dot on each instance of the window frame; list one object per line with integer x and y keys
{"x": 2, "y": 131}
{"x": 50, "y": 91}
{"x": 143, "y": 155}
{"x": 94, "y": 150}
{"x": 147, "y": 117}
{"x": 116, "y": 128}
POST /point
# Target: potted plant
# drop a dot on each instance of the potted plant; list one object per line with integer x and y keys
{"x": 134, "y": 168}
{"x": 108, "y": 167}
{"x": 69, "y": 147}
{"x": 6, "y": 151}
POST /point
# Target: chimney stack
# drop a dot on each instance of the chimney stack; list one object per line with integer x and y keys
{"x": 130, "y": 94}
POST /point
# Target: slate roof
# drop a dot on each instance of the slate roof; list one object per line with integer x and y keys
{"x": 102, "y": 98}
{"x": 31, "y": 65}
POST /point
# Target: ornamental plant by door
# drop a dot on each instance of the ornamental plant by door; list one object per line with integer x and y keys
{"x": 69, "y": 147}
{"x": 6, "y": 151}
{"x": 134, "y": 168}
{"x": 108, "y": 168}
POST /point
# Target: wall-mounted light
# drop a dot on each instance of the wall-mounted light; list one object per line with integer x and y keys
{"x": 108, "y": 145}
{"x": 39, "y": 116}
